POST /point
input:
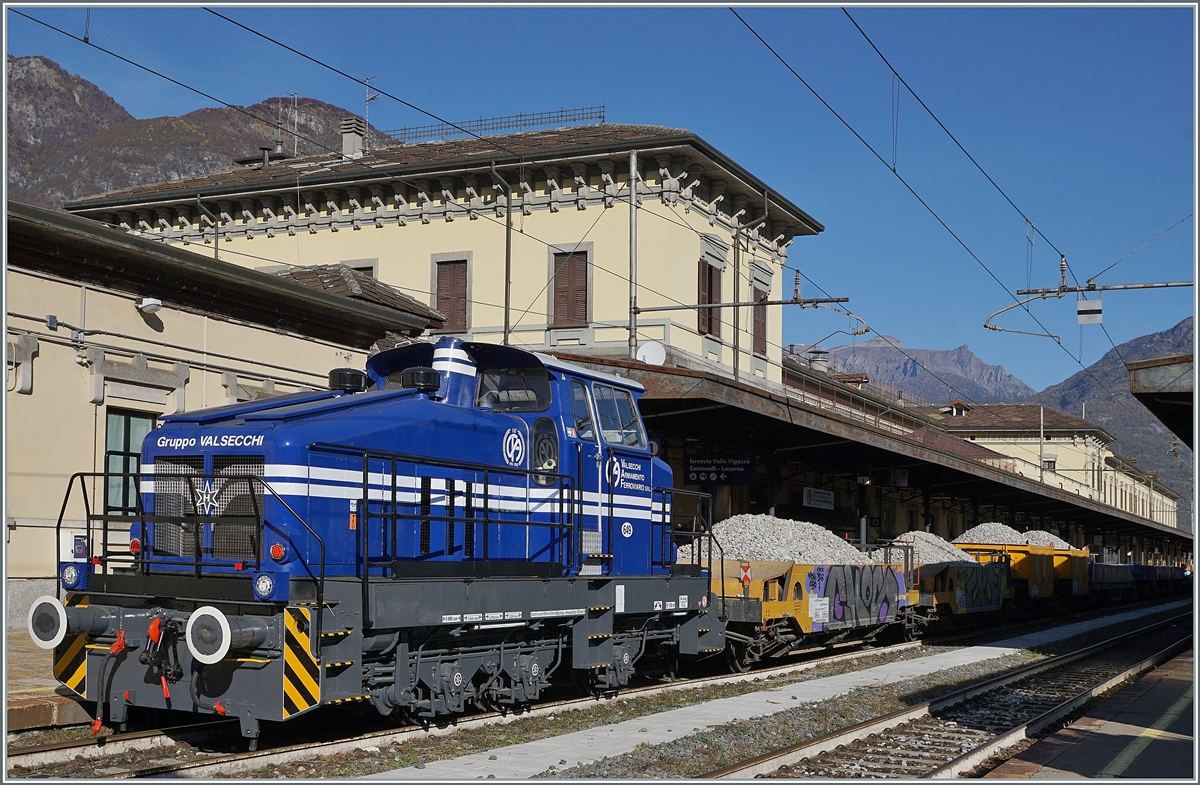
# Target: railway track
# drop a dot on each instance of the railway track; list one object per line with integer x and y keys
{"x": 955, "y": 733}
{"x": 199, "y": 762}
{"x": 203, "y": 749}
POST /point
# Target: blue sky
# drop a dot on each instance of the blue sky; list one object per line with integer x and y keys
{"x": 1085, "y": 116}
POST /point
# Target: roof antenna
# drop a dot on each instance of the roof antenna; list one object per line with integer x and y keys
{"x": 367, "y": 112}
{"x": 296, "y": 120}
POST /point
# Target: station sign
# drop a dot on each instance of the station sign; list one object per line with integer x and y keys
{"x": 719, "y": 469}
{"x": 815, "y": 497}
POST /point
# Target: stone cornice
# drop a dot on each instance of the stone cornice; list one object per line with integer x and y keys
{"x": 381, "y": 202}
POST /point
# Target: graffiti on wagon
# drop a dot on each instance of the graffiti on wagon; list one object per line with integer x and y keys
{"x": 980, "y": 587}
{"x": 852, "y": 596}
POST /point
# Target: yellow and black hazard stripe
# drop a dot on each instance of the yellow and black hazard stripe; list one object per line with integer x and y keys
{"x": 70, "y": 656}
{"x": 301, "y": 674}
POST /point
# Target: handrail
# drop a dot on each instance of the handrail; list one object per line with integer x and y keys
{"x": 143, "y": 561}
{"x": 314, "y": 640}
{"x": 565, "y": 493}
{"x": 703, "y": 505}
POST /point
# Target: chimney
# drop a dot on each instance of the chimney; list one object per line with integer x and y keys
{"x": 817, "y": 361}
{"x": 353, "y": 129}
{"x": 266, "y": 151}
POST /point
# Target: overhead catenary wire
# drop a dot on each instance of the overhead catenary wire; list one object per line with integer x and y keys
{"x": 926, "y": 205}
{"x": 1031, "y": 228}
{"x": 1140, "y": 247}
{"x": 896, "y": 75}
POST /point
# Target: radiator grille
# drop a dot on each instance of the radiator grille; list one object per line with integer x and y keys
{"x": 173, "y": 497}
{"x": 237, "y": 497}
{"x": 179, "y": 485}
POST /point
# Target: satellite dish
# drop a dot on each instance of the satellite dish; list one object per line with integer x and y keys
{"x": 652, "y": 353}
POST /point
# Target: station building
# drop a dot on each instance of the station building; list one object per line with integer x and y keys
{"x": 429, "y": 218}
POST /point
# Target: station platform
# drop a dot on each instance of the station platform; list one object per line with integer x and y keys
{"x": 35, "y": 699}
{"x": 1145, "y": 732}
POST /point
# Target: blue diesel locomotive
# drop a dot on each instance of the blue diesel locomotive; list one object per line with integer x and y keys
{"x": 455, "y": 527}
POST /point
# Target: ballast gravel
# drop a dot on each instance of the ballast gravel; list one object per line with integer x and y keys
{"x": 1046, "y": 538}
{"x": 928, "y": 548}
{"x": 994, "y": 533}
{"x": 991, "y": 533}
{"x": 767, "y": 538}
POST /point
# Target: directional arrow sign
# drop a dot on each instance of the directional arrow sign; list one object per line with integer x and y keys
{"x": 720, "y": 469}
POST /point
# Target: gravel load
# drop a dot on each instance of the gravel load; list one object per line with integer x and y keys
{"x": 928, "y": 548}
{"x": 766, "y": 538}
{"x": 1046, "y": 538}
{"x": 991, "y": 533}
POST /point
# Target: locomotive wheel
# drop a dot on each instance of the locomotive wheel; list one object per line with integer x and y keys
{"x": 737, "y": 657}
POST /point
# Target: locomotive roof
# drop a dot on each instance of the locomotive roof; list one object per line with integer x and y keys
{"x": 486, "y": 355}
{"x": 553, "y": 362}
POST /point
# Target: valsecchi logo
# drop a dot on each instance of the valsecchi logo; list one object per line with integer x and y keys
{"x": 614, "y": 471}
{"x": 514, "y": 447}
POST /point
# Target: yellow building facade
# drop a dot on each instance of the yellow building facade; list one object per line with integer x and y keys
{"x": 430, "y": 220}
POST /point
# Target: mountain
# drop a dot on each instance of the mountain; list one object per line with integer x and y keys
{"x": 970, "y": 377}
{"x": 67, "y": 139}
{"x": 1138, "y": 432}
{"x": 50, "y": 110}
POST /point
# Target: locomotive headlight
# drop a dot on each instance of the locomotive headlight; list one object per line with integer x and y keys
{"x": 70, "y": 576}
{"x": 264, "y": 585}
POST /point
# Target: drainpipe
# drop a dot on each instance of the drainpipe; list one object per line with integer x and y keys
{"x": 507, "y": 246}
{"x": 1041, "y": 444}
{"x": 633, "y": 311}
{"x": 737, "y": 282}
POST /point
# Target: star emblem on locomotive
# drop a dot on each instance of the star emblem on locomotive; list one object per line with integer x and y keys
{"x": 206, "y": 497}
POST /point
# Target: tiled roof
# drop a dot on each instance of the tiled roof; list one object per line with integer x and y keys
{"x": 1007, "y": 417}
{"x": 348, "y": 282}
{"x": 498, "y": 147}
{"x": 412, "y": 160}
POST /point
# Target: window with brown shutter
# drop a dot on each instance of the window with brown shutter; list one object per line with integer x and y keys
{"x": 452, "y": 294}
{"x": 760, "y": 322}
{"x": 570, "y": 290}
{"x": 708, "y": 320}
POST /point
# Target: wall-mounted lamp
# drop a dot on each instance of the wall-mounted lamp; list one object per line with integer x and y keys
{"x": 147, "y": 304}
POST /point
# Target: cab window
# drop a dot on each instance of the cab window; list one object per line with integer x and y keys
{"x": 582, "y": 413}
{"x": 619, "y": 420}
{"x": 514, "y": 389}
